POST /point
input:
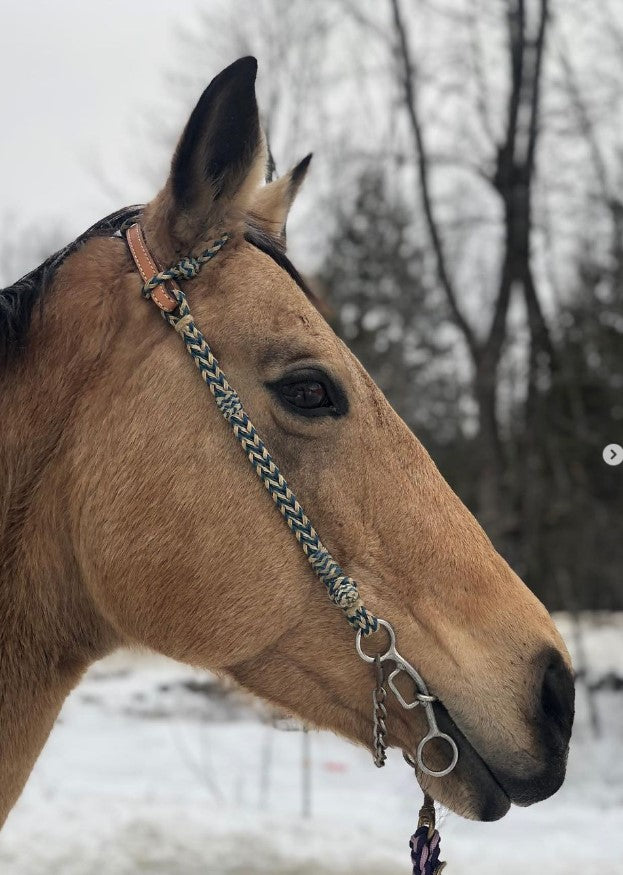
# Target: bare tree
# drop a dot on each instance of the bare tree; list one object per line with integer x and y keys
{"x": 479, "y": 274}
{"x": 512, "y": 180}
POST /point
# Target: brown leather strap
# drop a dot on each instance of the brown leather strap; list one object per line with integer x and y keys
{"x": 161, "y": 295}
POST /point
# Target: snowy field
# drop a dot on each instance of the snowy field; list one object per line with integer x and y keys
{"x": 145, "y": 773}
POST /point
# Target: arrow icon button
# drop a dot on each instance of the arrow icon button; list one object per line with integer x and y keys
{"x": 613, "y": 454}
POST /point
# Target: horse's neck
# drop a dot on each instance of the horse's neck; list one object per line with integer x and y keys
{"x": 32, "y": 684}
{"x": 49, "y": 631}
{"x": 30, "y": 698}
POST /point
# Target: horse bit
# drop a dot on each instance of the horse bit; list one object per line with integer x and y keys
{"x": 160, "y": 286}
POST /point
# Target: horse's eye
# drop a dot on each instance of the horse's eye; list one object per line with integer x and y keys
{"x": 306, "y": 394}
{"x": 310, "y": 392}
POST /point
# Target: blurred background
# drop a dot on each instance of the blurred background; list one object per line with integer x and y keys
{"x": 463, "y": 226}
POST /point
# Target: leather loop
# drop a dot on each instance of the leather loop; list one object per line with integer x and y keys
{"x": 161, "y": 295}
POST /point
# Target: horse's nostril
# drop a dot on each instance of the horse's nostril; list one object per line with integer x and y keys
{"x": 557, "y": 697}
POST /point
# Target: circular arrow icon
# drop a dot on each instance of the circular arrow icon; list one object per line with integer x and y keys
{"x": 613, "y": 454}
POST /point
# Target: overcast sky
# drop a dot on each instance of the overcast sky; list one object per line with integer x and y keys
{"x": 77, "y": 81}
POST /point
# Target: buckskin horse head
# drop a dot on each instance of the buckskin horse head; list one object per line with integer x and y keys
{"x": 128, "y": 514}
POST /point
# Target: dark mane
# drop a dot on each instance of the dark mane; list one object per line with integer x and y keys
{"x": 18, "y": 300}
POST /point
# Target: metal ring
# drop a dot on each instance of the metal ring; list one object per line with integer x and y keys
{"x": 388, "y": 652}
{"x": 455, "y": 754}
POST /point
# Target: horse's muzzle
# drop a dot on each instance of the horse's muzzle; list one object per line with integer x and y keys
{"x": 554, "y": 720}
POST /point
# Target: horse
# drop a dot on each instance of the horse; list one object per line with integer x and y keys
{"x": 128, "y": 515}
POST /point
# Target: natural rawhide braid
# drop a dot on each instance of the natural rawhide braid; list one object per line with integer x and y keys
{"x": 341, "y": 588}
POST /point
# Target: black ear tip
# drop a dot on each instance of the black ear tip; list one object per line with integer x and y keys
{"x": 246, "y": 67}
{"x": 301, "y": 168}
{"x": 239, "y": 75}
{"x": 222, "y": 134}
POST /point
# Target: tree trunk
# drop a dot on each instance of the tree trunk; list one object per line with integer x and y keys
{"x": 491, "y": 504}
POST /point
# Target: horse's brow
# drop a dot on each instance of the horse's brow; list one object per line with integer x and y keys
{"x": 283, "y": 353}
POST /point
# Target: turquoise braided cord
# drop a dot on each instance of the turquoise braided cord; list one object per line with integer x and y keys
{"x": 341, "y": 588}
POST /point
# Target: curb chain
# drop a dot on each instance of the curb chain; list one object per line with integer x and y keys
{"x": 379, "y": 694}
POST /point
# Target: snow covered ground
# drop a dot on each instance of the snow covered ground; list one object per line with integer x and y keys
{"x": 145, "y": 773}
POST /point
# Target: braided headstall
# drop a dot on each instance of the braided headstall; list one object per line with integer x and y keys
{"x": 341, "y": 588}
{"x": 161, "y": 288}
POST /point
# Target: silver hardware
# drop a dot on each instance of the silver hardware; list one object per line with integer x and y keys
{"x": 421, "y": 697}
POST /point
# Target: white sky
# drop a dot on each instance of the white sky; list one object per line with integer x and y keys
{"x": 83, "y": 86}
{"x": 77, "y": 81}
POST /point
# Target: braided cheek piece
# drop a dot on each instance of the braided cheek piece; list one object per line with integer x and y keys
{"x": 341, "y": 588}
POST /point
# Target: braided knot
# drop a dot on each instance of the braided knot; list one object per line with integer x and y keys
{"x": 184, "y": 323}
{"x": 342, "y": 589}
{"x": 345, "y": 594}
{"x": 185, "y": 269}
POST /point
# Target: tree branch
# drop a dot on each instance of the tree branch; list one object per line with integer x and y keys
{"x": 584, "y": 120}
{"x": 536, "y": 86}
{"x": 515, "y": 18}
{"x": 410, "y": 101}
{"x": 482, "y": 96}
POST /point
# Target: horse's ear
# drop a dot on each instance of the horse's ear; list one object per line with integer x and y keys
{"x": 271, "y": 204}
{"x": 221, "y": 157}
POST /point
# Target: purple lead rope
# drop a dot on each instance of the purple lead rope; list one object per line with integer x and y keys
{"x": 425, "y": 842}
